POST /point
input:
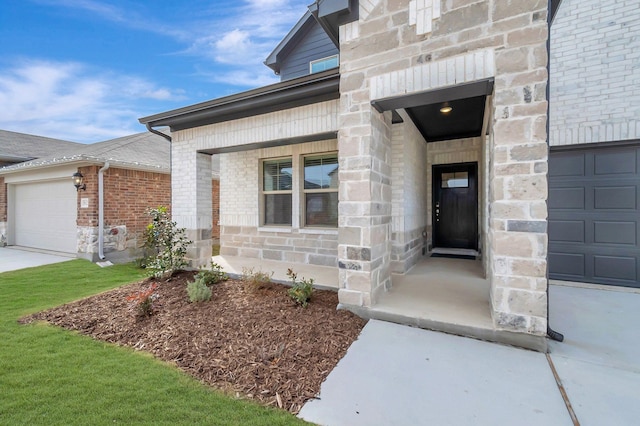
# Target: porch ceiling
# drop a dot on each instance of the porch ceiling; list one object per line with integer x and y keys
{"x": 465, "y": 119}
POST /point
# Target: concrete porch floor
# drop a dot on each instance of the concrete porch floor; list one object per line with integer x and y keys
{"x": 441, "y": 294}
{"x": 323, "y": 276}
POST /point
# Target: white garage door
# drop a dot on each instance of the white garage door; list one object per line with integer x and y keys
{"x": 45, "y": 215}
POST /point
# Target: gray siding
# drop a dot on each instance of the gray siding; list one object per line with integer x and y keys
{"x": 314, "y": 45}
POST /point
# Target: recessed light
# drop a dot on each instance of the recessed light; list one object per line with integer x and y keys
{"x": 446, "y": 108}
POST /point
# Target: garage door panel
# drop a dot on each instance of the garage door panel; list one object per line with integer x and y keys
{"x": 567, "y": 231}
{"x": 594, "y": 219}
{"x": 560, "y": 165}
{"x": 567, "y": 198}
{"x": 614, "y": 163}
{"x": 623, "y": 233}
{"x": 615, "y": 268}
{"x": 567, "y": 265}
{"x": 615, "y": 197}
{"x": 45, "y": 215}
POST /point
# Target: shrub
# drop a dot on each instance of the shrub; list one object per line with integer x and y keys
{"x": 255, "y": 280}
{"x": 165, "y": 244}
{"x": 213, "y": 275}
{"x": 144, "y": 302}
{"x": 300, "y": 291}
{"x": 198, "y": 291}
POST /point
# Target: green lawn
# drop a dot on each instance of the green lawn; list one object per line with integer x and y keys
{"x": 55, "y": 377}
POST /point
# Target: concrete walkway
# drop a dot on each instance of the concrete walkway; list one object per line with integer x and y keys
{"x": 398, "y": 375}
{"x": 14, "y": 258}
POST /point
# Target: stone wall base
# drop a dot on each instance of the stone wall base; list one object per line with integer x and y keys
{"x": 293, "y": 246}
{"x": 119, "y": 245}
{"x": 3, "y": 234}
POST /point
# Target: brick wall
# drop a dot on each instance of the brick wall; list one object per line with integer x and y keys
{"x": 128, "y": 196}
{"x": 595, "y": 74}
{"x": 215, "y": 209}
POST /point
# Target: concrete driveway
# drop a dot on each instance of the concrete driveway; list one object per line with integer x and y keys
{"x": 13, "y": 258}
{"x": 398, "y": 375}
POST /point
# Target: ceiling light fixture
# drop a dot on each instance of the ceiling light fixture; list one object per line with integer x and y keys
{"x": 446, "y": 108}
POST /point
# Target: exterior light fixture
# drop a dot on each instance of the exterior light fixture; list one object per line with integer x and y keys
{"x": 78, "y": 181}
{"x": 446, "y": 108}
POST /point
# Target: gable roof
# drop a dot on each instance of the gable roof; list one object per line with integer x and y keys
{"x": 329, "y": 14}
{"x": 292, "y": 38}
{"x": 145, "y": 151}
{"x": 18, "y": 147}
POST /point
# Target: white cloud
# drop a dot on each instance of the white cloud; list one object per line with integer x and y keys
{"x": 74, "y": 102}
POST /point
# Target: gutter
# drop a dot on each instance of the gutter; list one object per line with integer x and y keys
{"x": 551, "y": 10}
{"x": 152, "y": 130}
{"x": 101, "y": 210}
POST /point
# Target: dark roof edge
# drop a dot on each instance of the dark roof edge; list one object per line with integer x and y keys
{"x": 272, "y": 59}
{"x": 287, "y": 94}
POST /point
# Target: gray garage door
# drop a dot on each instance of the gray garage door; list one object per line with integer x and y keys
{"x": 594, "y": 215}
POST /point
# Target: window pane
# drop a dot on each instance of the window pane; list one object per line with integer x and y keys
{"x": 455, "y": 180}
{"x": 277, "y": 175}
{"x": 324, "y": 64}
{"x": 321, "y": 209}
{"x": 321, "y": 172}
{"x": 277, "y": 209}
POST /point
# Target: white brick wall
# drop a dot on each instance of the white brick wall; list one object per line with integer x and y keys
{"x": 241, "y": 233}
{"x": 408, "y": 188}
{"x": 290, "y": 123}
{"x": 595, "y": 72}
{"x": 470, "y": 67}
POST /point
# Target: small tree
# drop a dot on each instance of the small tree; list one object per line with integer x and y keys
{"x": 165, "y": 244}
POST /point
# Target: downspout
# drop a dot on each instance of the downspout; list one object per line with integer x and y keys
{"x": 152, "y": 130}
{"x": 101, "y": 210}
{"x": 552, "y": 334}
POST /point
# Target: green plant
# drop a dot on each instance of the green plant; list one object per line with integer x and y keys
{"x": 54, "y": 374}
{"x": 300, "y": 291}
{"x": 255, "y": 280}
{"x": 165, "y": 244}
{"x": 144, "y": 302}
{"x": 213, "y": 275}
{"x": 198, "y": 291}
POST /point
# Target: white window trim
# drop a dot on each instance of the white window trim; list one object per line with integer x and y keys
{"x": 311, "y": 63}
{"x": 303, "y": 192}
{"x": 275, "y": 227}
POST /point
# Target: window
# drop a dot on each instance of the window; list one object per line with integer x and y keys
{"x": 276, "y": 190}
{"x": 324, "y": 64}
{"x": 455, "y": 180}
{"x": 321, "y": 190}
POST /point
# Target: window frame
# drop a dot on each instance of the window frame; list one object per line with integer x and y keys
{"x": 264, "y": 193}
{"x": 325, "y": 59}
{"x": 304, "y": 191}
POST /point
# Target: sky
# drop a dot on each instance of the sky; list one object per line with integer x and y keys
{"x": 86, "y": 70}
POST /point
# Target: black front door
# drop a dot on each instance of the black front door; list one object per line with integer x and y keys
{"x": 455, "y": 206}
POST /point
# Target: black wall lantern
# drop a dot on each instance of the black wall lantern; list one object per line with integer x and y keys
{"x": 78, "y": 181}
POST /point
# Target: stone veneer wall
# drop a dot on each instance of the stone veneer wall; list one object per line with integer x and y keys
{"x": 595, "y": 82}
{"x": 241, "y": 230}
{"x": 383, "y": 55}
{"x": 409, "y": 209}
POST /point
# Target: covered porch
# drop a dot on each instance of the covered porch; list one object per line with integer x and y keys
{"x": 441, "y": 294}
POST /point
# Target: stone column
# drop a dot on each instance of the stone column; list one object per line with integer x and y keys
{"x": 518, "y": 182}
{"x": 364, "y": 243}
{"x": 191, "y": 199}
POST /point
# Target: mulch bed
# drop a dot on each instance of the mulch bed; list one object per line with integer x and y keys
{"x": 255, "y": 343}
